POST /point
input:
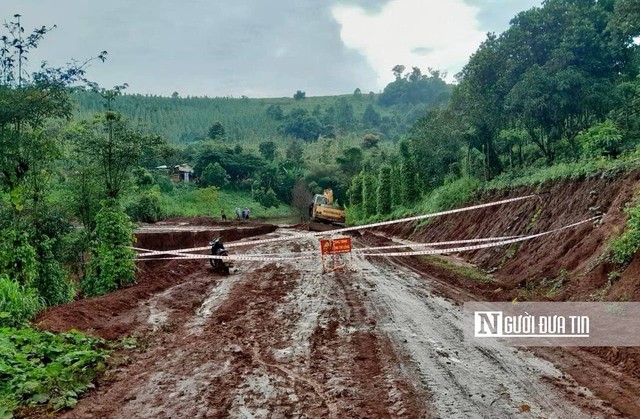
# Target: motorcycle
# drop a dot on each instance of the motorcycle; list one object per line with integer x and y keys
{"x": 219, "y": 265}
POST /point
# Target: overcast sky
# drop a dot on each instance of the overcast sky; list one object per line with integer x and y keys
{"x": 261, "y": 48}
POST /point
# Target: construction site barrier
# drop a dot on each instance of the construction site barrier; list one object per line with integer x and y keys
{"x": 340, "y": 230}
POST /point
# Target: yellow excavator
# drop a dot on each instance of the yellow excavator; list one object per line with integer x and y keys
{"x": 323, "y": 215}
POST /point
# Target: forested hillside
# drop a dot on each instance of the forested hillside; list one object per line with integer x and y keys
{"x": 246, "y": 120}
{"x": 556, "y": 94}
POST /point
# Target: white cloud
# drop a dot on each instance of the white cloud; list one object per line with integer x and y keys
{"x": 423, "y": 33}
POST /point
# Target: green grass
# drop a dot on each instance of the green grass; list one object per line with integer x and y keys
{"x": 467, "y": 272}
{"x": 559, "y": 171}
{"x": 17, "y": 303}
{"x": 451, "y": 195}
{"x": 624, "y": 247}
{"x": 193, "y": 202}
{"x": 46, "y": 370}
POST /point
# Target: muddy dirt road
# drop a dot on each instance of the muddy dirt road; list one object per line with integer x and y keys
{"x": 283, "y": 340}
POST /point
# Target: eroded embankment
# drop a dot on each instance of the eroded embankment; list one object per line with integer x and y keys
{"x": 169, "y": 235}
{"x": 571, "y": 259}
{"x": 567, "y": 266}
{"x": 118, "y": 314}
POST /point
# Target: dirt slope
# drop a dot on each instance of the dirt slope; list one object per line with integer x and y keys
{"x": 575, "y": 251}
{"x": 564, "y": 266}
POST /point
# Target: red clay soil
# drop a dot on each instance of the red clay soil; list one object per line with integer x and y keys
{"x": 157, "y": 239}
{"x": 241, "y": 356}
{"x": 574, "y": 251}
{"x": 250, "y": 349}
{"x": 117, "y": 314}
{"x": 572, "y": 259}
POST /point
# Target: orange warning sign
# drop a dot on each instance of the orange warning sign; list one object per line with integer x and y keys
{"x": 341, "y": 245}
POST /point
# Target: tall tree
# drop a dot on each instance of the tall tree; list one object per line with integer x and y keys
{"x": 217, "y": 131}
{"x": 268, "y": 150}
{"x": 408, "y": 175}
{"x": 114, "y": 148}
{"x": 384, "y": 190}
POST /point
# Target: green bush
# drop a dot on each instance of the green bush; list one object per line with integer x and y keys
{"x": 625, "y": 246}
{"x": 601, "y": 140}
{"x": 146, "y": 207}
{"x": 214, "y": 175}
{"x": 17, "y": 256}
{"x": 111, "y": 264}
{"x": 266, "y": 198}
{"x": 142, "y": 177}
{"x": 52, "y": 281}
{"x": 18, "y": 304}
{"x": 46, "y": 369}
{"x": 451, "y": 195}
{"x": 164, "y": 183}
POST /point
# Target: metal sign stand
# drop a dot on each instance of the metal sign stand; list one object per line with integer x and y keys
{"x": 334, "y": 254}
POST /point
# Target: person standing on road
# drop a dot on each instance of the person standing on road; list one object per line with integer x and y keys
{"x": 238, "y": 212}
{"x": 223, "y": 215}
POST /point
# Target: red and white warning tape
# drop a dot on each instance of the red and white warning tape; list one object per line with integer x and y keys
{"x": 411, "y": 245}
{"x": 481, "y": 246}
{"x": 310, "y": 255}
{"x": 235, "y": 257}
{"x": 337, "y": 231}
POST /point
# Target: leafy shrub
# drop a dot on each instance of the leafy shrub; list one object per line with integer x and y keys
{"x": 451, "y": 195}
{"x": 603, "y": 139}
{"x": 111, "y": 263}
{"x": 52, "y": 281}
{"x": 625, "y": 246}
{"x": 42, "y": 368}
{"x": 17, "y": 256}
{"x": 142, "y": 177}
{"x": 266, "y": 198}
{"x": 146, "y": 207}
{"x": 164, "y": 183}
{"x": 214, "y": 175}
{"x": 18, "y": 304}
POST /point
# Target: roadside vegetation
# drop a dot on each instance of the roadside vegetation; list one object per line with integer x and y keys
{"x": 624, "y": 247}
{"x": 564, "y": 107}
{"x": 42, "y": 370}
{"x": 557, "y": 95}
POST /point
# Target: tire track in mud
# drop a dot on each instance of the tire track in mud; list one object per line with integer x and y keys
{"x": 337, "y": 385}
{"x": 464, "y": 380}
{"x": 283, "y": 340}
{"x": 271, "y": 341}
